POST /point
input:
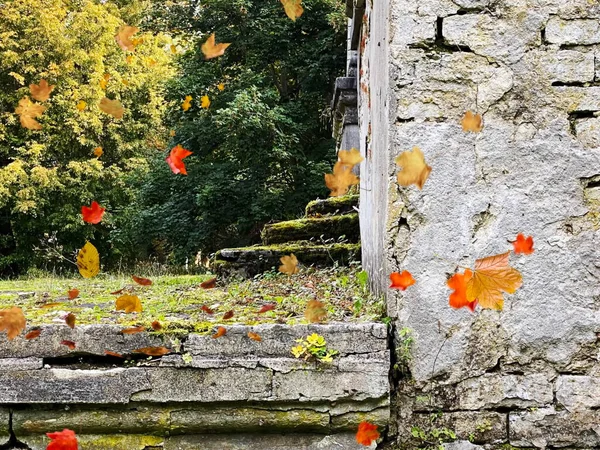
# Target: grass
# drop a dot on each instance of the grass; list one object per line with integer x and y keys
{"x": 176, "y": 301}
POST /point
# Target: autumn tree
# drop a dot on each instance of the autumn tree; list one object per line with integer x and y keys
{"x": 47, "y": 175}
{"x": 261, "y": 147}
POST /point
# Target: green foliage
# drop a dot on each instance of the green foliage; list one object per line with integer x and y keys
{"x": 260, "y": 150}
{"x": 403, "y": 350}
{"x": 47, "y": 175}
{"x": 434, "y": 438}
{"x": 314, "y": 347}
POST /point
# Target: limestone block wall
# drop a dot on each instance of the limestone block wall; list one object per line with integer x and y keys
{"x": 231, "y": 392}
{"x": 527, "y": 376}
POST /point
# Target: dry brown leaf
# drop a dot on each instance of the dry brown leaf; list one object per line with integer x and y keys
{"x": 12, "y": 321}
{"x": 212, "y": 50}
{"x": 123, "y": 37}
{"x": 112, "y": 107}
{"x": 472, "y": 122}
{"x": 156, "y": 326}
{"x": 350, "y": 157}
{"x": 315, "y": 311}
{"x": 33, "y": 334}
{"x": 133, "y": 330}
{"x": 413, "y": 168}
{"x": 254, "y": 336}
{"x": 28, "y": 112}
{"x": 41, "y": 92}
{"x": 493, "y": 276}
{"x": 209, "y": 284}
{"x": 153, "y": 351}
{"x": 128, "y": 303}
{"x": 73, "y": 293}
{"x": 293, "y": 8}
{"x": 142, "y": 281}
{"x": 341, "y": 179}
{"x": 289, "y": 264}
{"x": 69, "y": 344}
{"x": 228, "y": 315}
{"x": 116, "y": 355}
{"x": 70, "y": 320}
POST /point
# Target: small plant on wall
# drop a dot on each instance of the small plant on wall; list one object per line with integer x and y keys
{"x": 313, "y": 347}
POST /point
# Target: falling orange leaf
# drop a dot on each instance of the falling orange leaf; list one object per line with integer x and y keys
{"x": 205, "y": 102}
{"x": 187, "y": 103}
{"x": 367, "y": 433}
{"x": 69, "y": 344}
{"x": 221, "y": 331}
{"x": 401, "y": 280}
{"x": 209, "y": 284}
{"x": 142, "y": 281}
{"x": 41, "y": 92}
{"x": 413, "y": 170}
{"x": 28, "y": 112}
{"x": 254, "y": 336}
{"x": 493, "y": 276}
{"x": 12, "y": 321}
{"x": 293, "y": 8}
{"x": 350, "y": 157}
{"x": 112, "y": 107}
{"x": 93, "y": 213}
{"x": 62, "y": 440}
{"x": 212, "y": 50}
{"x": 221, "y": 86}
{"x": 175, "y": 159}
{"x": 73, "y": 293}
{"x": 116, "y": 355}
{"x": 289, "y": 264}
{"x": 153, "y": 351}
{"x": 128, "y": 303}
{"x": 98, "y": 152}
{"x": 267, "y": 307}
{"x": 123, "y": 37}
{"x": 458, "y": 299}
{"x": 156, "y": 326}
{"x": 33, "y": 334}
{"x": 228, "y": 315}
{"x": 133, "y": 330}
{"x": 81, "y": 105}
{"x": 207, "y": 310}
{"x": 523, "y": 245}
{"x": 315, "y": 311}
{"x": 70, "y": 320}
{"x": 341, "y": 179}
{"x": 472, "y": 122}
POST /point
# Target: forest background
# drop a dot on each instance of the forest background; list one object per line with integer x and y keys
{"x": 260, "y": 148}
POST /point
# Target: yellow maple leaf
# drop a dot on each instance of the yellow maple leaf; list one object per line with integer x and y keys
{"x": 491, "y": 277}
{"x": 88, "y": 261}
{"x": 187, "y": 103}
{"x": 289, "y": 264}
{"x": 205, "y": 102}
{"x": 129, "y": 59}
{"x": 81, "y": 105}
{"x": 103, "y": 83}
{"x": 98, "y": 152}
{"x": 151, "y": 62}
{"x": 12, "y": 321}
{"x": 212, "y": 50}
{"x": 173, "y": 49}
{"x": 41, "y": 92}
{"x": 28, "y": 112}
{"x": 172, "y": 133}
{"x": 341, "y": 179}
{"x": 112, "y": 107}
{"x": 472, "y": 122}
{"x": 123, "y": 37}
{"x": 413, "y": 168}
{"x": 128, "y": 303}
{"x": 221, "y": 86}
{"x": 293, "y": 8}
{"x": 350, "y": 157}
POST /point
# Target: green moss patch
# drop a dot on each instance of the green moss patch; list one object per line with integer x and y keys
{"x": 330, "y": 227}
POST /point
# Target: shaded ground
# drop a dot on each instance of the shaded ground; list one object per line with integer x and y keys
{"x": 176, "y": 301}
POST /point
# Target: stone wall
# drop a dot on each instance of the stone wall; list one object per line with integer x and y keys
{"x": 527, "y": 376}
{"x": 231, "y": 392}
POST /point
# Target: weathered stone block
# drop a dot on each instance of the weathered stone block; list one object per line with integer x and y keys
{"x": 498, "y": 390}
{"x": 30, "y": 363}
{"x": 578, "y": 31}
{"x": 351, "y": 419}
{"x": 578, "y": 392}
{"x": 102, "y": 442}
{"x": 329, "y": 227}
{"x": 4, "y": 424}
{"x": 588, "y": 132}
{"x": 578, "y": 98}
{"x": 569, "y": 66}
{"x": 72, "y": 386}
{"x": 547, "y": 427}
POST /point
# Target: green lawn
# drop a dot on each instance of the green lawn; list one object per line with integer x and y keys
{"x": 176, "y": 301}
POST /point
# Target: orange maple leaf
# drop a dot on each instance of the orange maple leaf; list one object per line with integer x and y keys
{"x": 12, "y": 321}
{"x": 221, "y": 331}
{"x": 28, "y": 112}
{"x": 472, "y": 122}
{"x": 98, "y": 152}
{"x": 123, "y": 37}
{"x": 70, "y": 320}
{"x": 41, "y": 92}
{"x": 212, "y": 50}
{"x": 293, "y": 8}
{"x": 458, "y": 282}
{"x": 129, "y": 303}
{"x": 413, "y": 170}
{"x": 315, "y": 311}
{"x": 205, "y": 102}
{"x": 289, "y": 264}
{"x": 112, "y": 107}
{"x": 341, "y": 179}
{"x": 175, "y": 159}
{"x": 493, "y": 276}
{"x": 523, "y": 245}
{"x": 93, "y": 213}
{"x": 401, "y": 280}
{"x": 367, "y": 433}
{"x": 62, "y": 440}
{"x": 73, "y": 293}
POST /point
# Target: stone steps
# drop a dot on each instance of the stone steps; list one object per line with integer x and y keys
{"x": 332, "y": 206}
{"x": 326, "y": 228}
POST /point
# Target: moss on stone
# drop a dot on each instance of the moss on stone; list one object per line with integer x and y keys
{"x": 332, "y": 205}
{"x": 330, "y": 227}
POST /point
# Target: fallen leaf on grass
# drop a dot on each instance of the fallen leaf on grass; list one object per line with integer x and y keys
{"x": 142, "y": 281}
{"x": 153, "y": 351}
{"x": 70, "y": 320}
{"x": 401, "y": 280}
{"x": 209, "y": 284}
{"x": 69, "y": 344}
{"x": 267, "y": 307}
{"x": 221, "y": 331}
{"x": 73, "y": 294}
{"x": 33, "y": 334}
{"x": 51, "y": 305}
{"x": 12, "y": 321}
{"x": 156, "y": 326}
{"x": 128, "y": 303}
{"x": 207, "y": 310}
{"x": 228, "y": 315}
